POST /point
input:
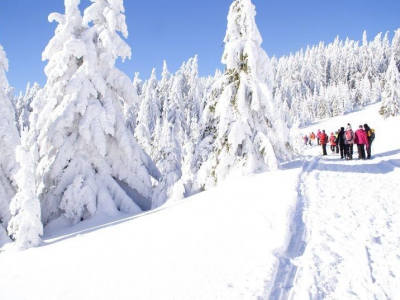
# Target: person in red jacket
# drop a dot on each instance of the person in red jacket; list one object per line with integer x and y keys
{"x": 319, "y": 137}
{"x": 332, "y": 141}
{"x": 324, "y": 141}
{"x": 361, "y": 139}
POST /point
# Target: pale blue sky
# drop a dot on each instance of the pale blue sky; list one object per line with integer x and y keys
{"x": 176, "y": 30}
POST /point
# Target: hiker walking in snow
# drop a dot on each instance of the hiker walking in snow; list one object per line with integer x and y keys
{"x": 348, "y": 142}
{"x": 340, "y": 142}
{"x": 371, "y": 136}
{"x": 319, "y": 137}
{"x": 305, "y": 138}
{"x": 312, "y": 139}
{"x": 332, "y": 141}
{"x": 324, "y": 141}
{"x": 336, "y": 141}
{"x": 361, "y": 139}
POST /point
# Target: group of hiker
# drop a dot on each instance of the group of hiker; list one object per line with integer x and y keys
{"x": 342, "y": 141}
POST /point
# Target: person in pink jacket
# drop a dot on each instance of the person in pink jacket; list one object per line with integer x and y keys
{"x": 361, "y": 139}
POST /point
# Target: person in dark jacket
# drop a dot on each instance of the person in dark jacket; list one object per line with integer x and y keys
{"x": 371, "y": 137}
{"x": 340, "y": 142}
{"x": 348, "y": 142}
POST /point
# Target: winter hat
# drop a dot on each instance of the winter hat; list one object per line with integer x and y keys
{"x": 360, "y": 126}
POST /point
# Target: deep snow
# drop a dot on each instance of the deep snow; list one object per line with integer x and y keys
{"x": 321, "y": 228}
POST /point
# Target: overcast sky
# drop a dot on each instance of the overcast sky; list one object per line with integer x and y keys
{"x": 176, "y": 30}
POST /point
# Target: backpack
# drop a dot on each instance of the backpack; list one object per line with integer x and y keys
{"x": 349, "y": 135}
{"x": 371, "y": 134}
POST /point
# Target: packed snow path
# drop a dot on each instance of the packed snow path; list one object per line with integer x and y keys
{"x": 286, "y": 269}
{"x": 351, "y": 213}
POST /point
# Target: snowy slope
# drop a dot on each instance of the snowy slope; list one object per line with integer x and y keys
{"x": 322, "y": 228}
{"x": 352, "y": 219}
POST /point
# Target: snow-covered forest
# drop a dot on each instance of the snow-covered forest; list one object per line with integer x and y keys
{"x": 92, "y": 140}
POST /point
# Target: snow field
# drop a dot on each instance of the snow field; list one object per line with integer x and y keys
{"x": 219, "y": 244}
{"x": 227, "y": 242}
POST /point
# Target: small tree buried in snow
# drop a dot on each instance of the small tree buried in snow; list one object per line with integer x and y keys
{"x": 85, "y": 150}
{"x": 242, "y": 122}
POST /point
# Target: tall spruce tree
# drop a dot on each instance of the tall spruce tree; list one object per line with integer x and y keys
{"x": 25, "y": 226}
{"x": 88, "y": 161}
{"x": 149, "y": 113}
{"x": 23, "y": 105}
{"x": 396, "y": 48}
{"x": 243, "y": 123}
{"x": 391, "y": 92}
{"x": 9, "y": 140}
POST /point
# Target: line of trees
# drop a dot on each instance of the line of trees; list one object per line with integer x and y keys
{"x": 327, "y": 81}
{"x": 91, "y": 141}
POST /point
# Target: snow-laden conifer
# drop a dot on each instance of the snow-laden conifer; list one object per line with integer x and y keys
{"x": 172, "y": 139}
{"x": 133, "y": 109}
{"x": 194, "y": 90}
{"x": 23, "y": 105}
{"x": 9, "y": 140}
{"x": 244, "y": 125}
{"x": 25, "y": 226}
{"x": 149, "y": 113}
{"x": 168, "y": 159}
{"x": 164, "y": 88}
{"x": 86, "y": 154}
{"x": 391, "y": 92}
{"x": 396, "y": 48}
{"x": 176, "y": 107}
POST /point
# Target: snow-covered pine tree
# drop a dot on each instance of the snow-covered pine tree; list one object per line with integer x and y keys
{"x": 243, "y": 125}
{"x": 194, "y": 90}
{"x": 174, "y": 140}
{"x": 396, "y": 48}
{"x": 133, "y": 109}
{"x": 88, "y": 161}
{"x": 9, "y": 140}
{"x": 23, "y": 105}
{"x": 175, "y": 110}
{"x": 149, "y": 113}
{"x": 391, "y": 92}
{"x": 25, "y": 226}
{"x": 168, "y": 159}
{"x": 131, "y": 121}
{"x": 164, "y": 87}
